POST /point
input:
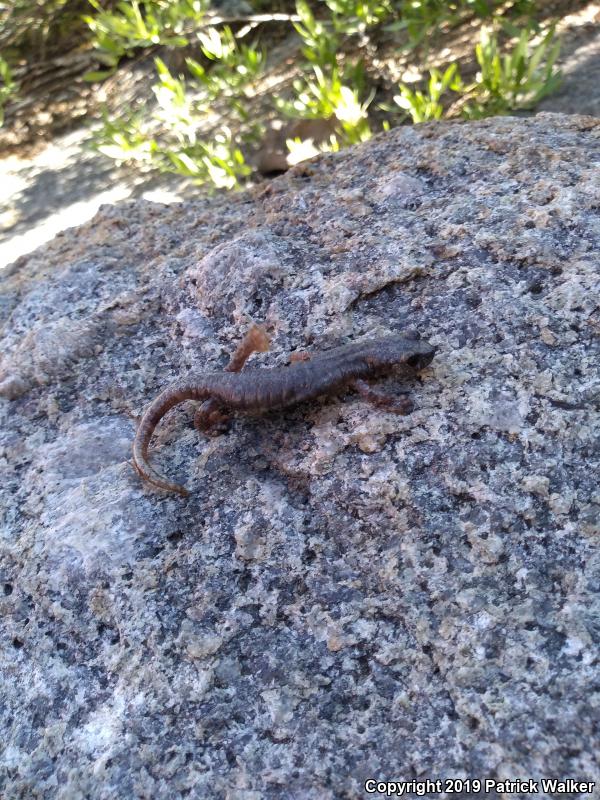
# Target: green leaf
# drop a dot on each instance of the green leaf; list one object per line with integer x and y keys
{"x": 98, "y": 75}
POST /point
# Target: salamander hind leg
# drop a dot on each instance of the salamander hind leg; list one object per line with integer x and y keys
{"x": 396, "y": 405}
{"x": 210, "y": 419}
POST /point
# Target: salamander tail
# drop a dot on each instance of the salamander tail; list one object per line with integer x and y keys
{"x": 144, "y": 470}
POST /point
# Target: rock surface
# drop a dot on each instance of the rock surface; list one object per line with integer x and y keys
{"x": 346, "y": 594}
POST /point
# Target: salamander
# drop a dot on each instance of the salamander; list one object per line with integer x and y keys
{"x": 259, "y": 390}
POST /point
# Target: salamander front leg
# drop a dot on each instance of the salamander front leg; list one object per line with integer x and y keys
{"x": 396, "y": 405}
{"x": 255, "y": 341}
{"x": 299, "y": 355}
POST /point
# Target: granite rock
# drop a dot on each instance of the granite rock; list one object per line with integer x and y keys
{"x": 346, "y": 594}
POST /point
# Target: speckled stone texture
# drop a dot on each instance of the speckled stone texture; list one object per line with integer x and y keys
{"x": 346, "y": 594}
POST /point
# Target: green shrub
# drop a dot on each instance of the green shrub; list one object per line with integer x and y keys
{"x": 8, "y": 87}
{"x": 321, "y": 43}
{"x": 509, "y": 82}
{"x": 234, "y": 65}
{"x": 425, "y": 106}
{"x": 34, "y": 30}
{"x": 333, "y": 92}
{"x": 516, "y": 80}
{"x": 422, "y": 20}
{"x": 326, "y": 97}
{"x": 355, "y": 16}
{"x": 172, "y": 138}
{"x": 132, "y": 25}
{"x": 201, "y": 124}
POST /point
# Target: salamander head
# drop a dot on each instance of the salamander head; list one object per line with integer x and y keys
{"x": 396, "y": 351}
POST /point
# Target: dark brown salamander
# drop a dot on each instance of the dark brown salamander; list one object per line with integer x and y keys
{"x": 258, "y": 390}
